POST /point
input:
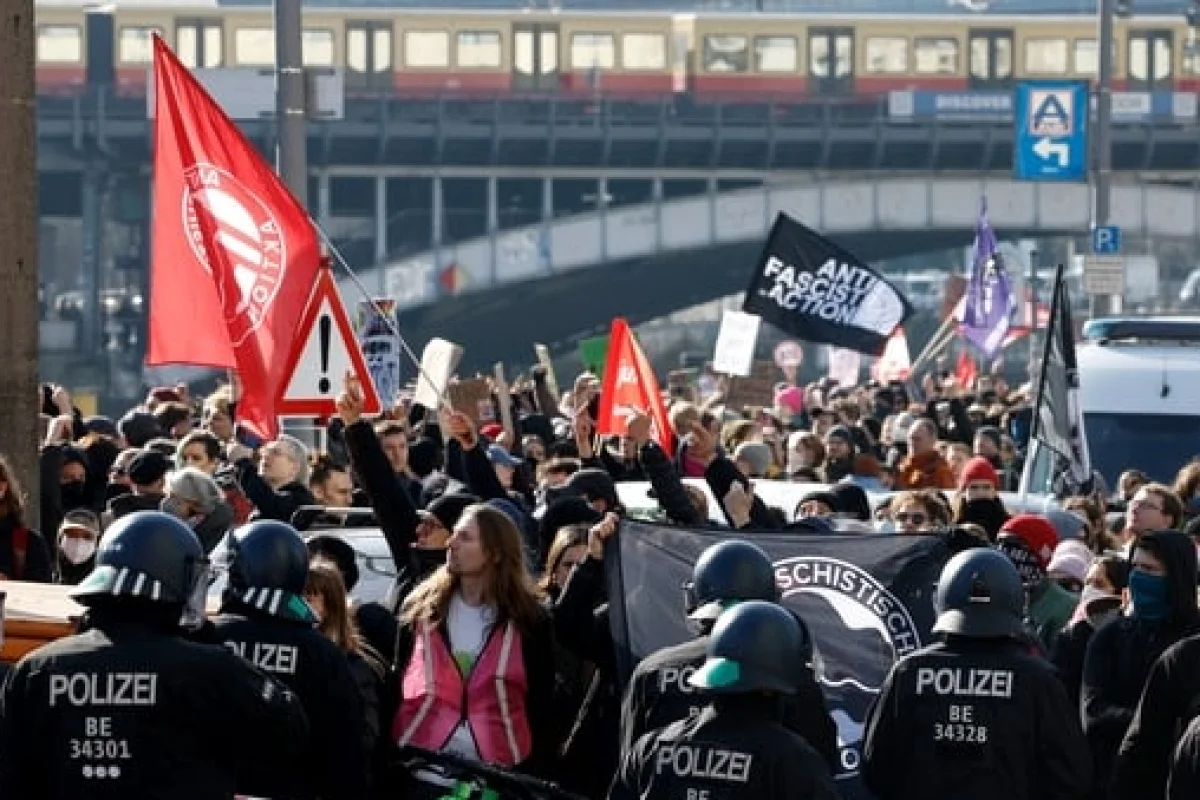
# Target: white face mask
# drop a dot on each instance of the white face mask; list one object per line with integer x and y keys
{"x": 77, "y": 551}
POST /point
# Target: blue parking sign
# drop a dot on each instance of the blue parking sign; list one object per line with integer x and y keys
{"x": 1106, "y": 240}
{"x": 1050, "y": 135}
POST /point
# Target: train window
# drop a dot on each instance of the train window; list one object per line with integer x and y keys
{"x": 134, "y": 44}
{"x": 198, "y": 44}
{"x": 643, "y": 51}
{"x": 775, "y": 54}
{"x": 887, "y": 55}
{"x": 1046, "y": 56}
{"x": 254, "y": 47}
{"x": 59, "y": 44}
{"x": 593, "y": 51}
{"x": 936, "y": 56}
{"x": 1087, "y": 57}
{"x": 426, "y": 49}
{"x": 726, "y": 54}
{"x": 317, "y": 46}
{"x": 478, "y": 49}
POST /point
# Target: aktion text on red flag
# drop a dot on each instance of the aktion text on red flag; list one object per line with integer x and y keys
{"x": 630, "y": 386}
{"x": 233, "y": 257}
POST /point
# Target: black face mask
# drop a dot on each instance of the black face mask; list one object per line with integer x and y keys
{"x": 73, "y": 495}
{"x": 113, "y": 490}
{"x": 988, "y": 513}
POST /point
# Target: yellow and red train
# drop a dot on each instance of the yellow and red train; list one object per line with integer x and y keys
{"x": 707, "y": 55}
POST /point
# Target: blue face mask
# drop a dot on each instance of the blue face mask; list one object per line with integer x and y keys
{"x": 1149, "y": 593}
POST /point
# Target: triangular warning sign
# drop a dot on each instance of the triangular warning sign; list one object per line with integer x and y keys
{"x": 324, "y": 349}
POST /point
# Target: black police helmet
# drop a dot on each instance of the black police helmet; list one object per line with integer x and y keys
{"x": 267, "y": 554}
{"x": 756, "y": 646}
{"x": 146, "y": 554}
{"x": 728, "y": 572}
{"x": 979, "y": 594}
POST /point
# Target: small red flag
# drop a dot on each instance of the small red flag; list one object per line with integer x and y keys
{"x": 965, "y": 371}
{"x": 630, "y": 385}
{"x": 233, "y": 255}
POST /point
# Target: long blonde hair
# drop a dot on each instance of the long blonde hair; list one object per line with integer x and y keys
{"x": 325, "y": 581}
{"x": 510, "y": 588}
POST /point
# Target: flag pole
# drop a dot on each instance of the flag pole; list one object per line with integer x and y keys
{"x": 1056, "y": 298}
{"x": 392, "y": 328}
{"x": 940, "y": 340}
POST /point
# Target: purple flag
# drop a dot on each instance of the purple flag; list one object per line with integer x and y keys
{"x": 987, "y": 305}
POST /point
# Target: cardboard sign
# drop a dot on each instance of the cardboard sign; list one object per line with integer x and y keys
{"x": 438, "y": 362}
{"x": 474, "y": 398}
{"x": 758, "y": 389}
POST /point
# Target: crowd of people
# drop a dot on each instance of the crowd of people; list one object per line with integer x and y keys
{"x": 493, "y": 643}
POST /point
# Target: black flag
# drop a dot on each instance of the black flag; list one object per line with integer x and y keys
{"x": 1058, "y": 417}
{"x": 868, "y": 601}
{"x": 818, "y": 292}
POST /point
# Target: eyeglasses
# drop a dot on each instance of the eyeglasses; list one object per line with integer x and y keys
{"x": 910, "y": 519}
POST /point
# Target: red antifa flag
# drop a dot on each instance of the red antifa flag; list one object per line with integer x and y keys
{"x": 234, "y": 255}
{"x": 629, "y": 385}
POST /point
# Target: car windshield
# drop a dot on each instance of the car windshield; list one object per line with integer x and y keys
{"x": 1157, "y": 444}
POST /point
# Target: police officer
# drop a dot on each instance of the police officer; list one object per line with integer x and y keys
{"x": 265, "y": 619}
{"x": 736, "y": 746}
{"x": 659, "y": 693}
{"x": 974, "y": 715}
{"x": 130, "y": 708}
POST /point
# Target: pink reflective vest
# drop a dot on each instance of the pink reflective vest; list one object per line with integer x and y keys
{"x": 434, "y": 699}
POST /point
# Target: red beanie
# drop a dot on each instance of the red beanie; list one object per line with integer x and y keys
{"x": 978, "y": 469}
{"x": 1037, "y": 532}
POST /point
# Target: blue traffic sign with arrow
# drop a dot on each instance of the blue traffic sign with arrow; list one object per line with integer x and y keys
{"x": 1050, "y": 136}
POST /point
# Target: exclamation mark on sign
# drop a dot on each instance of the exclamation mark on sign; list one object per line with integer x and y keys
{"x": 325, "y": 330}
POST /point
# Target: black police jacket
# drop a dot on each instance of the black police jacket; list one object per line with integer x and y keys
{"x": 124, "y": 710}
{"x": 732, "y": 750}
{"x": 658, "y": 694}
{"x": 336, "y": 764}
{"x": 974, "y": 720}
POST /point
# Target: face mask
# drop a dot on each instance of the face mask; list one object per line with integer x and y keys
{"x": 72, "y": 495}
{"x": 1149, "y": 594}
{"x": 77, "y": 551}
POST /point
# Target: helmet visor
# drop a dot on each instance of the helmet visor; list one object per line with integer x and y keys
{"x": 195, "y": 608}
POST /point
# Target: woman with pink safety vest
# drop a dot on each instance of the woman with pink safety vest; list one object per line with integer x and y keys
{"x": 476, "y": 666}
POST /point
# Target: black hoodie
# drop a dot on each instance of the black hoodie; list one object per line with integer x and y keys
{"x": 1122, "y": 652}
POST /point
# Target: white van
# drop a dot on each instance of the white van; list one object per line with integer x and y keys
{"x": 1139, "y": 385}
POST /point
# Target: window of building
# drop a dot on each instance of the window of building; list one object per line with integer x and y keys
{"x": 726, "y": 54}
{"x": 887, "y": 55}
{"x": 593, "y": 51}
{"x": 59, "y": 44}
{"x": 479, "y": 49}
{"x": 775, "y": 54}
{"x": 936, "y": 56}
{"x": 643, "y": 51}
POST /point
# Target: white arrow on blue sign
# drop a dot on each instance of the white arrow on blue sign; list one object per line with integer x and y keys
{"x": 1050, "y": 135}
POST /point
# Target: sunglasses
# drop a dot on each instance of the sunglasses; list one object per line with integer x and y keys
{"x": 914, "y": 519}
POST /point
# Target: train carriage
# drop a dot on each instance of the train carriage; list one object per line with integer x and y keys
{"x": 720, "y": 56}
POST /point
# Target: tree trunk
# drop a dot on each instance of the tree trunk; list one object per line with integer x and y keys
{"x": 19, "y": 393}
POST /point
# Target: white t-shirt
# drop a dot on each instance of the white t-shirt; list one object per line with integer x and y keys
{"x": 468, "y": 627}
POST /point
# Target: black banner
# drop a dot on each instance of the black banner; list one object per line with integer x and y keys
{"x": 818, "y": 292}
{"x": 868, "y": 601}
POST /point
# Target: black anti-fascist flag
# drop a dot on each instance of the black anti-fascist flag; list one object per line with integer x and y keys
{"x": 868, "y": 601}
{"x": 818, "y": 292}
